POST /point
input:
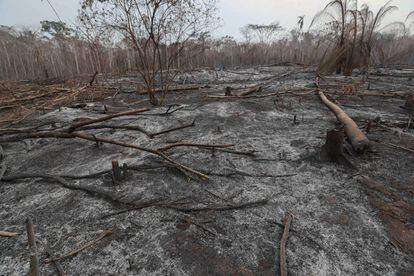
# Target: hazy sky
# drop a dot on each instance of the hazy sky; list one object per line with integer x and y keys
{"x": 234, "y": 13}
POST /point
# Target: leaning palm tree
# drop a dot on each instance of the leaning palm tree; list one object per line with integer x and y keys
{"x": 353, "y": 31}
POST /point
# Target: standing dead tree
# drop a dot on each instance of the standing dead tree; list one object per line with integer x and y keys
{"x": 156, "y": 30}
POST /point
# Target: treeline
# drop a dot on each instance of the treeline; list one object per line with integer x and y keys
{"x": 25, "y": 55}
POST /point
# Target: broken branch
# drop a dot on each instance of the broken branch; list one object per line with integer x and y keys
{"x": 282, "y": 253}
{"x": 167, "y": 147}
{"x": 171, "y": 89}
{"x": 123, "y": 127}
{"x": 8, "y": 234}
{"x": 399, "y": 147}
{"x": 251, "y": 204}
{"x": 105, "y": 118}
{"x": 34, "y": 261}
{"x": 173, "y": 129}
{"x": 83, "y": 247}
{"x": 49, "y": 253}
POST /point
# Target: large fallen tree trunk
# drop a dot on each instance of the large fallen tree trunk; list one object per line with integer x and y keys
{"x": 357, "y": 138}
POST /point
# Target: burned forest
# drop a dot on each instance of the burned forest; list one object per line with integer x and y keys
{"x": 135, "y": 139}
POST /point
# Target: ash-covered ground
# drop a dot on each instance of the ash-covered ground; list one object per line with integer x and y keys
{"x": 341, "y": 226}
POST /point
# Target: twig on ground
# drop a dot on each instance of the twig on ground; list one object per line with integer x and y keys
{"x": 168, "y": 112}
{"x": 94, "y": 191}
{"x": 75, "y": 126}
{"x": 250, "y": 90}
{"x": 282, "y": 252}
{"x": 172, "y": 89}
{"x": 189, "y": 220}
{"x": 142, "y": 205}
{"x": 83, "y": 247}
{"x": 219, "y": 197}
{"x": 398, "y": 147}
{"x": 170, "y": 146}
{"x": 8, "y": 234}
{"x": 248, "y": 153}
{"x": 173, "y": 129}
{"x": 34, "y": 261}
{"x": 119, "y": 199}
{"x": 241, "y": 173}
{"x": 3, "y": 169}
{"x": 280, "y": 93}
{"x": 158, "y": 202}
{"x": 235, "y": 206}
{"x": 123, "y": 127}
{"x": 59, "y": 268}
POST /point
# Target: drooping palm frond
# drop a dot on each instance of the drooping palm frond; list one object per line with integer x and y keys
{"x": 395, "y": 27}
{"x": 353, "y": 29}
{"x": 382, "y": 12}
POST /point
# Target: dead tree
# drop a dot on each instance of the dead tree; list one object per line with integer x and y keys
{"x": 157, "y": 32}
{"x": 358, "y": 140}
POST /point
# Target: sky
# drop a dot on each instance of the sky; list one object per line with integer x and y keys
{"x": 234, "y": 13}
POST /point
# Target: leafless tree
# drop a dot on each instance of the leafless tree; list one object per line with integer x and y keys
{"x": 157, "y": 30}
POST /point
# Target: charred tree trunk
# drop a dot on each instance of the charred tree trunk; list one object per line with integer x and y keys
{"x": 357, "y": 138}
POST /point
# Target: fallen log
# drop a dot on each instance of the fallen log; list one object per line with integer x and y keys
{"x": 359, "y": 141}
{"x": 172, "y": 89}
